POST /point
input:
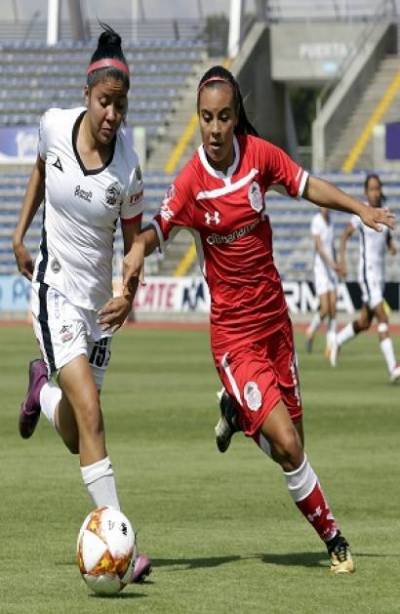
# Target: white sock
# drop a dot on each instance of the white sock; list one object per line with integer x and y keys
{"x": 100, "y": 482}
{"x": 301, "y": 481}
{"x": 50, "y": 396}
{"x": 332, "y": 325}
{"x": 345, "y": 334}
{"x": 388, "y": 353}
{"x": 314, "y": 324}
{"x": 331, "y": 334}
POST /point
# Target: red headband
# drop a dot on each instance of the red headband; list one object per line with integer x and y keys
{"x": 211, "y": 80}
{"x": 108, "y": 63}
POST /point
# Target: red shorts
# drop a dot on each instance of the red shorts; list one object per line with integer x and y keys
{"x": 259, "y": 375}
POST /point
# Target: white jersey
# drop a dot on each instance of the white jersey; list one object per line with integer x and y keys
{"x": 81, "y": 210}
{"x": 324, "y": 230}
{"x": 373, "y": 246}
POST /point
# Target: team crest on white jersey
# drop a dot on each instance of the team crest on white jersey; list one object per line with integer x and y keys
{"x": 213, "y": 218}
{"x": 252, "y": 395}
{"x": 255, "y": 197}
{"x": 113, "y": 194}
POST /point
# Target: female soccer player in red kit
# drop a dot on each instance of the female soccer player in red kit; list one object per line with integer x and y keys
{"x": 219, "y": 195}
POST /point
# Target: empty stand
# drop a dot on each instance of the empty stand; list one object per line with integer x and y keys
{"x": 34, "y": 77}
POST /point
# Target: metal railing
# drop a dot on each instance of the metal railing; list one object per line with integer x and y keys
{"x": 384, "y": 11}
{"x": 324, "y": 10}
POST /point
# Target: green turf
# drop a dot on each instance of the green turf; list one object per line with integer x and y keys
{"x": 222, "y": 531}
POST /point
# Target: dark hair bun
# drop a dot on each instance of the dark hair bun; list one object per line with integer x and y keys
{"x": 109, "y": 39}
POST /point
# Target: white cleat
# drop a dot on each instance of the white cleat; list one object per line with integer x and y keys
{"x": 395, "y": 375}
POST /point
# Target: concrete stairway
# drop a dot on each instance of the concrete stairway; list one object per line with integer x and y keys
{"x": 177, "y": 121}
{"x": 358, "y": 119}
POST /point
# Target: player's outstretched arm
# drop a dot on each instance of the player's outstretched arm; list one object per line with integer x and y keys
{"x": 34, "y": 195}
{"x": 144, "y": 245}
{"x": 113, "y": 314}
{"x": 325, "y": 194}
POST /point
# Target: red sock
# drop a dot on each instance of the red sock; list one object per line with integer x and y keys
{"x": 316, "y": 509}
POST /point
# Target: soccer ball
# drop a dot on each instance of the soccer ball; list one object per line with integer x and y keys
{"x": 106, "y": 550}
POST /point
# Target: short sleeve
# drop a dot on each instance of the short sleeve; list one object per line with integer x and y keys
{"x": 176, "y": 210}
{"x": 133, "y": 202}
{"x": 43, "y": 135}
{"x": 315, "y": 226}
{"x": 280, "y": 169}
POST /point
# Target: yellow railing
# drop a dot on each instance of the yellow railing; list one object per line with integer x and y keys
{"x": 373, "y": 120}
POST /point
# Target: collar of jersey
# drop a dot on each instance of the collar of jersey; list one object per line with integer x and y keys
{"x": 213, "y": 171}
{"x": 85, "y": 171}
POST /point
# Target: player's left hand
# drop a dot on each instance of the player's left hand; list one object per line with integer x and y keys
{"x": 114, "y": 313}
{"x": 375, "y": 216}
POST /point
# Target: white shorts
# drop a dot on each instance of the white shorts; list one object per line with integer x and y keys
{"x": 325, "y": 280}
{"x": 65, "y": 331}
{"x": 372, "y": 287}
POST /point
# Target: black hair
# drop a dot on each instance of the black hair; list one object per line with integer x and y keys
{"x": 219, "y": 74}
{"x": 378, "y": 179}
{"x": 108, "y": 46}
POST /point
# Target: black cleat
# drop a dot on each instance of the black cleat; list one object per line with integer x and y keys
{"x": 227, "y": 425}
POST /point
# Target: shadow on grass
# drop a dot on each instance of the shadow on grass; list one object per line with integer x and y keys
{"x": 212, "y": 561}
{"x": 311, "y": 559}
{"x": 121, "y": 596}
{"x": 297, "y": 559}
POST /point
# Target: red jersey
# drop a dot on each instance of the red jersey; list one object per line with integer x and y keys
{"x": 226, "y": 213}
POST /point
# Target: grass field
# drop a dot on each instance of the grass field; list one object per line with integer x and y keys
{"x": 221, "y": 529}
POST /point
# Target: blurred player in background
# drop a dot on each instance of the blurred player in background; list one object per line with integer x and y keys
{"x": 89, "y": 177}
{"x": 326, "y": 270}
{"x": 371, "y": 276}
{"x": 220, "y": 196}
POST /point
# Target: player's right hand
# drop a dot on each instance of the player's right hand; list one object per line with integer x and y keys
{"x": 24, "y": 260}
{"x": 133, "y": 267}
{"x": 375, "y": 216}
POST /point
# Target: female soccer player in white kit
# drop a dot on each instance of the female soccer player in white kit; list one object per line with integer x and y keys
{"x": 326, "y": 271}
{"x": 371, "y": 277}
{"x": 89, "y": 177}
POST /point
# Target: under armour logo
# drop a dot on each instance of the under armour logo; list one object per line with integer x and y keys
{"x": 215, "y": 217}
{"x": 58, "y": 164}
{"x": 317, "y": 514}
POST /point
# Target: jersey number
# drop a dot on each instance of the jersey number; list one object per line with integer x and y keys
{"x": 100, "y": 356}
